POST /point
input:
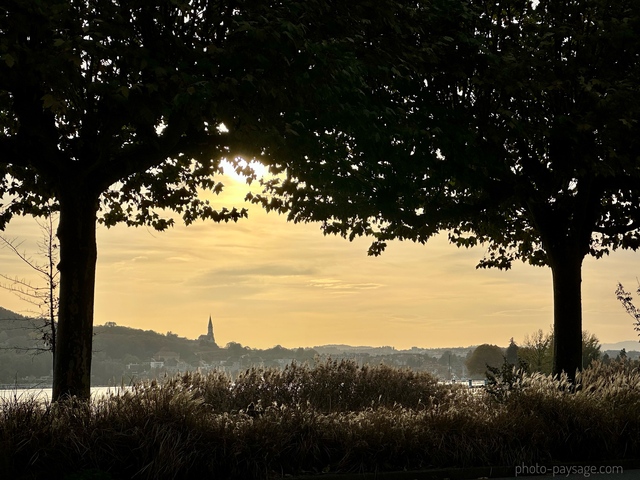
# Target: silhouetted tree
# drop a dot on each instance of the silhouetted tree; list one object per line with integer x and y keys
{"x": 537, "y": 352}
{"x": 627, "y": 302}
{"x": 524, "y": 137}
{"x": 118, "y": 111}
{"x": 590, "y": 348}
{"x": 511, "y": 354}
{"x": 484, "y": 356}
{"x": 44, "y": 295}
{"x": 236, "y": 350}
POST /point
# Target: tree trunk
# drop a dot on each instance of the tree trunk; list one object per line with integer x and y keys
{"x": 567, "y": 313}
{"x": 78, "y": 255}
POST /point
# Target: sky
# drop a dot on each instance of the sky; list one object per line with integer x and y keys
{"x": 267, "y": 282}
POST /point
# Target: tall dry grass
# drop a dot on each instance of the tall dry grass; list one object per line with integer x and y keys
{"x": 333, "y": 417}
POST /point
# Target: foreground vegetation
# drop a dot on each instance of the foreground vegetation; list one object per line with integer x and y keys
{"x": 333, "y": 417}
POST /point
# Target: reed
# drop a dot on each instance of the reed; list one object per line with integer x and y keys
{"x": 331, "y": 417}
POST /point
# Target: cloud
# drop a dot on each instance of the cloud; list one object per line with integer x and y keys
{"x": 266, "y": 270}
{"x": 248, "y": 274}
{"x": 520, "y": 312}
{"x": 408, "y": 319}
{"x": 178, "y": 259}
{"x": 339, "y": 286}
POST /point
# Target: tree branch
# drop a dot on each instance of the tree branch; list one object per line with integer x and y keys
{"x": 141, "y": 157}
{"x": 618, "y": 229}
{"x": 22, "y": 256}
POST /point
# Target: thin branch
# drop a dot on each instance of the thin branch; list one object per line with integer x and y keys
{"x": 44, "y": 297}
{"x": 18, "y": 281}
{"x": 22, "y": 256}
{"x": 27, "y": 349}
{"x": 23, "y": 295}
{"x": 627, "y": 302}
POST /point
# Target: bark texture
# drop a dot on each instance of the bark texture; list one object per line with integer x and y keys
{"x": 78, "y": 256}
{"x": 567, "y": 314}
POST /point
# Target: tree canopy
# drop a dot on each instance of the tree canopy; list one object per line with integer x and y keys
{"x": 504, "y": 123}
{"x": 483, "y": 357}
{"x": 122, "y": 111}
{"x": 518, "y": 131}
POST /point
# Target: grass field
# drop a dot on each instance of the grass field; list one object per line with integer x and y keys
{"x": 332, "y": 417}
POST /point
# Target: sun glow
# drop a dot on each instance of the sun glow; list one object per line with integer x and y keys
{"x": 241, "y": 170}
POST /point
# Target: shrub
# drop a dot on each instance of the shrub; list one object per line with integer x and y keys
{"x": 333, "y": 417}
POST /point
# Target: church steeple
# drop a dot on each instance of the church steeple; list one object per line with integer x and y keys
{"x": 208, "y": 339}
{"x": 210, "y": 330}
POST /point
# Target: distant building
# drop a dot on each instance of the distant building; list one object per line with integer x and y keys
{"x": 208, "y": 338}
{"x": 164, "y": 355}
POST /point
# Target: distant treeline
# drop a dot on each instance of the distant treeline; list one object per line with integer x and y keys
{"x": 25, "y": 358}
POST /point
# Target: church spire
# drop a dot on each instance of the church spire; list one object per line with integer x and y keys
{"x": 210, "y": 336}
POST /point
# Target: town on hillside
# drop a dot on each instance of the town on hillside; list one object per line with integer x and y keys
{"x": 123, "y": 355}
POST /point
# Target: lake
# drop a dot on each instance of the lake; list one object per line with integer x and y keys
{"x": 45, "y": 393}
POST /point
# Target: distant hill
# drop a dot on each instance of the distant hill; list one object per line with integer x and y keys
{"x": 14, "y": 325}
{"x": 9, "y": 315}
{"x": 629, "y": 346}
{"x": 339, "y": 349}
{"x": 138, "y": 345}
{"x": 117, "y": 341}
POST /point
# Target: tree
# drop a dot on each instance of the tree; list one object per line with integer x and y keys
{"x": 537, "y": 351}
{"x": 122, "y": 110}
{"x": 484, "y": 356}
{"x": 511, "y": 354}
{"x": 44, "y": 297}
{"x": 236, "y": 350}
{"x": 590, "y": 348}
{"x": 627, "y": 302}
{"x": 521, "y": 134}
{"x": 445, "y": 358}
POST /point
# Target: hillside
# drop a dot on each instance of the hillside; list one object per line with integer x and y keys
{"x": 123, "y": 354}
{"x": 629, "y": 346}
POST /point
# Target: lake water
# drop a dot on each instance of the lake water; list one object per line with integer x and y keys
{"x": 44, "y": 394}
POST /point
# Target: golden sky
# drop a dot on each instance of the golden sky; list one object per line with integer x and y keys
{"x": 266, "y": 282}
